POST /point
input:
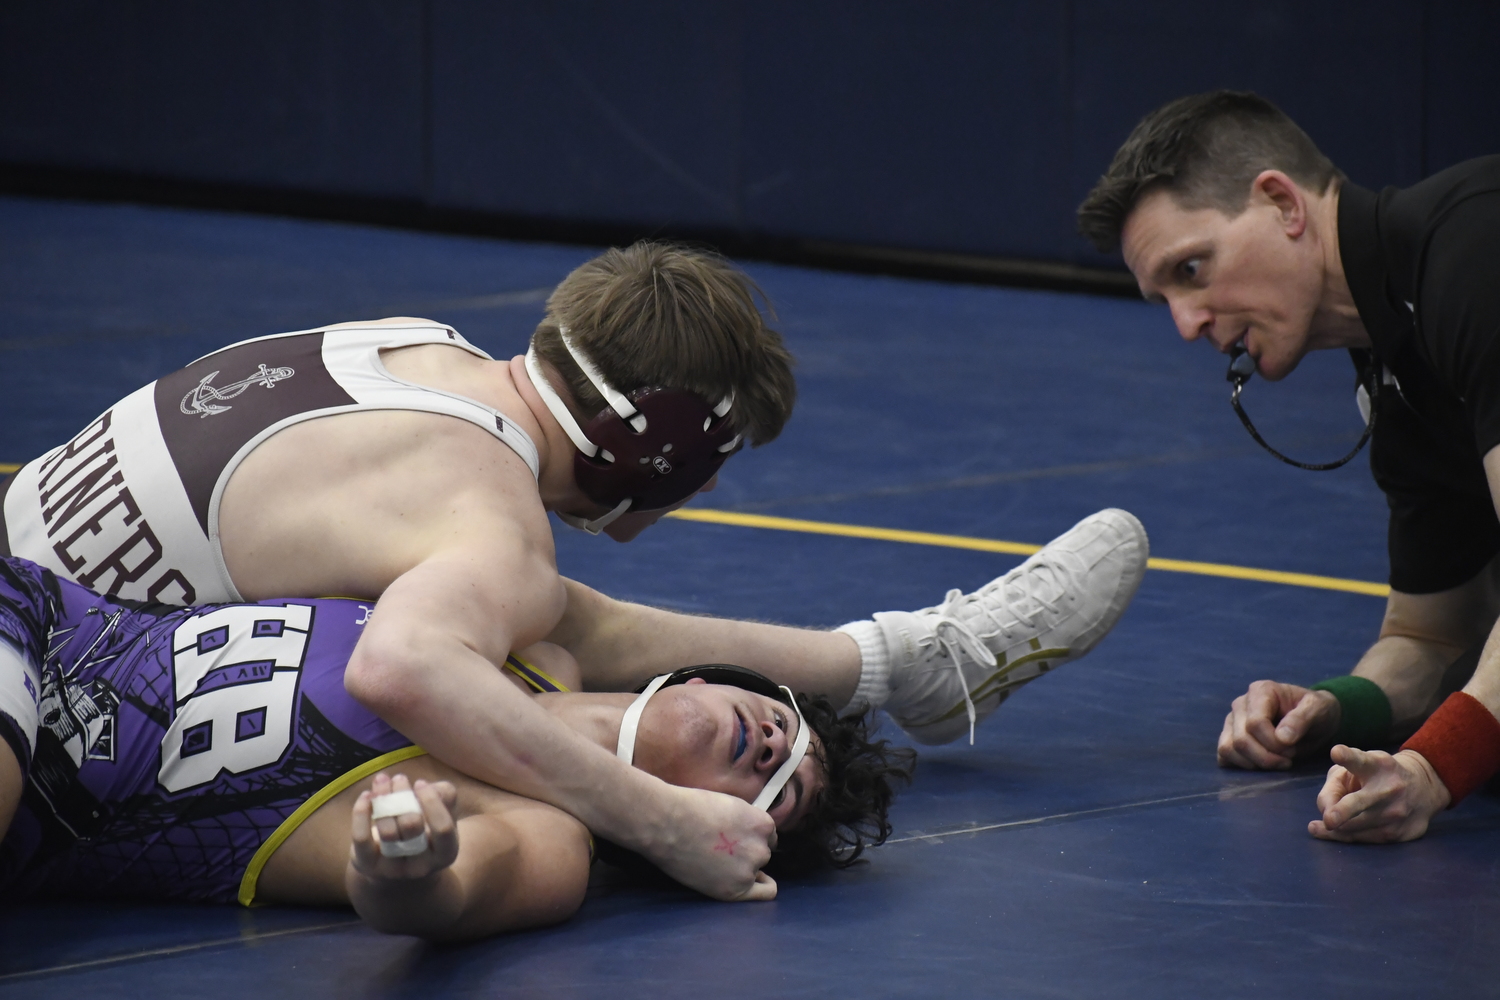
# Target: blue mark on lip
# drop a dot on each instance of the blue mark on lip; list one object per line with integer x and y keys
{"x": 744, "y": 738}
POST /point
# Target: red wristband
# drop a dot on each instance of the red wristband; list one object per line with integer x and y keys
{"x": 1461, "y": 740}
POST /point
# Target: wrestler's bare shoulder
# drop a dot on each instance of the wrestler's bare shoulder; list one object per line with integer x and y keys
{"x": 451, "y": 369}
{"x": 331, "y": 486}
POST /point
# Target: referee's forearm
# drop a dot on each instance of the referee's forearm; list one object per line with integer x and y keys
{"x": 1484, "y": 686}
{"x": 1410, "y": 672}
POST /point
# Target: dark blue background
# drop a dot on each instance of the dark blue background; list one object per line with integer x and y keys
{"x": 973, "y": 127}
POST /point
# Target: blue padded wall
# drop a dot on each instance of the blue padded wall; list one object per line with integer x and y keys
{"x": 588, "y": 109}
{"x": 1463, "y": 81}
{"x": 941, "y": 126}
{"x": 971, "y": 127}
{"x": 1347, "y": 72}
{"x": 319, "y": 95}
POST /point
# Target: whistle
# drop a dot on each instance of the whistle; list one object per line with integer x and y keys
{"x": 1241, "y": 364}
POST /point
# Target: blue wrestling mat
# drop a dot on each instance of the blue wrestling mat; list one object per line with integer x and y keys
{"x": 1087, "y": 846}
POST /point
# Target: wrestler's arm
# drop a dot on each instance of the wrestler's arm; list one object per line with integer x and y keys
{"x": 524, "y": 865}
{"x": 1269, "y": 725}
{"x": 426, "y": 663}
{"x": 506, "y": 864}
{"x": 10, "y": 786}
{"x": 1378, "y": 797}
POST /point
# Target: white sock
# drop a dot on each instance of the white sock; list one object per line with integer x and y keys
{"x": 874, "y": 666}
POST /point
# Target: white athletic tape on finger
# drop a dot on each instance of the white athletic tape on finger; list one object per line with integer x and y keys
{"x": 390, "y": 806}
{"x": 395, "y": 804}
{"x": 408, "y": 848}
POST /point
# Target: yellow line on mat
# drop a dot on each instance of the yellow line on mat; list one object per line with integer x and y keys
{"x": 992, "y": 545}
{"x": 1017, "y": 548}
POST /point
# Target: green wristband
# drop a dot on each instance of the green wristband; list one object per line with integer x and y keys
{"x": 1364, "y": 711}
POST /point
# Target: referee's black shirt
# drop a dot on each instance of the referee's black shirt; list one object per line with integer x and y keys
{"x": 1423, "y": 265}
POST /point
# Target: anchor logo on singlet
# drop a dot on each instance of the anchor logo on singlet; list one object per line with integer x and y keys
{"x": 204, "y": 399}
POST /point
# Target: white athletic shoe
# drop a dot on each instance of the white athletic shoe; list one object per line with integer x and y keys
{"x": 954, "y": 664}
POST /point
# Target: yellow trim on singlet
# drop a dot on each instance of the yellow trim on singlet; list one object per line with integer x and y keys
{"x": 559, "y": 685}
{"x": 291, "y": 823}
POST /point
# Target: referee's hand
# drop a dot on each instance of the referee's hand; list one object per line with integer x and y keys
{"x": 1373, "y": 797}
{"x": 1272, "y": 723}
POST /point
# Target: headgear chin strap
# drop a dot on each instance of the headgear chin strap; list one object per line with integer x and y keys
{"x": 784, "y": 772}
{"x": 625, "y": 748}
{"x": 630, "y": 725}
{"x": 649, "y": 450}
{"x": 598, "y": 524}
{"x": 564, "y": 418}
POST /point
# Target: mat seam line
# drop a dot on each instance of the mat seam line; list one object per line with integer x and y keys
{"x": 1235, "y": 792}
{"x": 173, "y": 950}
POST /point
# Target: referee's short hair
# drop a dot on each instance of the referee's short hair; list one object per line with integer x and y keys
{"x": 1206, "y": 150}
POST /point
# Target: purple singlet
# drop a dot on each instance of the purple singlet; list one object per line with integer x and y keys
{"x": 171, "y": 742}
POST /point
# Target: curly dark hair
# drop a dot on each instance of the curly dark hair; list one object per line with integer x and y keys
{"x": 851, "y": 813}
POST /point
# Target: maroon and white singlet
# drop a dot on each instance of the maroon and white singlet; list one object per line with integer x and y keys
{"x": 130, "y": 506}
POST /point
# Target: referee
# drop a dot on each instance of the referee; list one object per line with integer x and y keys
{"x": 1229, "y": 214}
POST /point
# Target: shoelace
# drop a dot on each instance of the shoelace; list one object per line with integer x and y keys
{"x": 953, "y": 634}
{"x": 1062, "y": 579}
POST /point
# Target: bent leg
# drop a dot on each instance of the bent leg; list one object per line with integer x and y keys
{"x": 621, "y": 645}
{"x": 936, "y": 671}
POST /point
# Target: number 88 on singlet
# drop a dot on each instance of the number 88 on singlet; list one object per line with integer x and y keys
{"x": 235, "y": 671}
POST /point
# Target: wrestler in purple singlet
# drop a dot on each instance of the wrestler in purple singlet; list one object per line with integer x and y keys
{"x": 172, "y": 742}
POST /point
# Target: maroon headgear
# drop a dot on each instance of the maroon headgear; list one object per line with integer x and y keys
{"x": 645, "y": 451}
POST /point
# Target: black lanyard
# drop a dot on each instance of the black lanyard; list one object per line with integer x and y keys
{"x": 1242, "y": 366}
